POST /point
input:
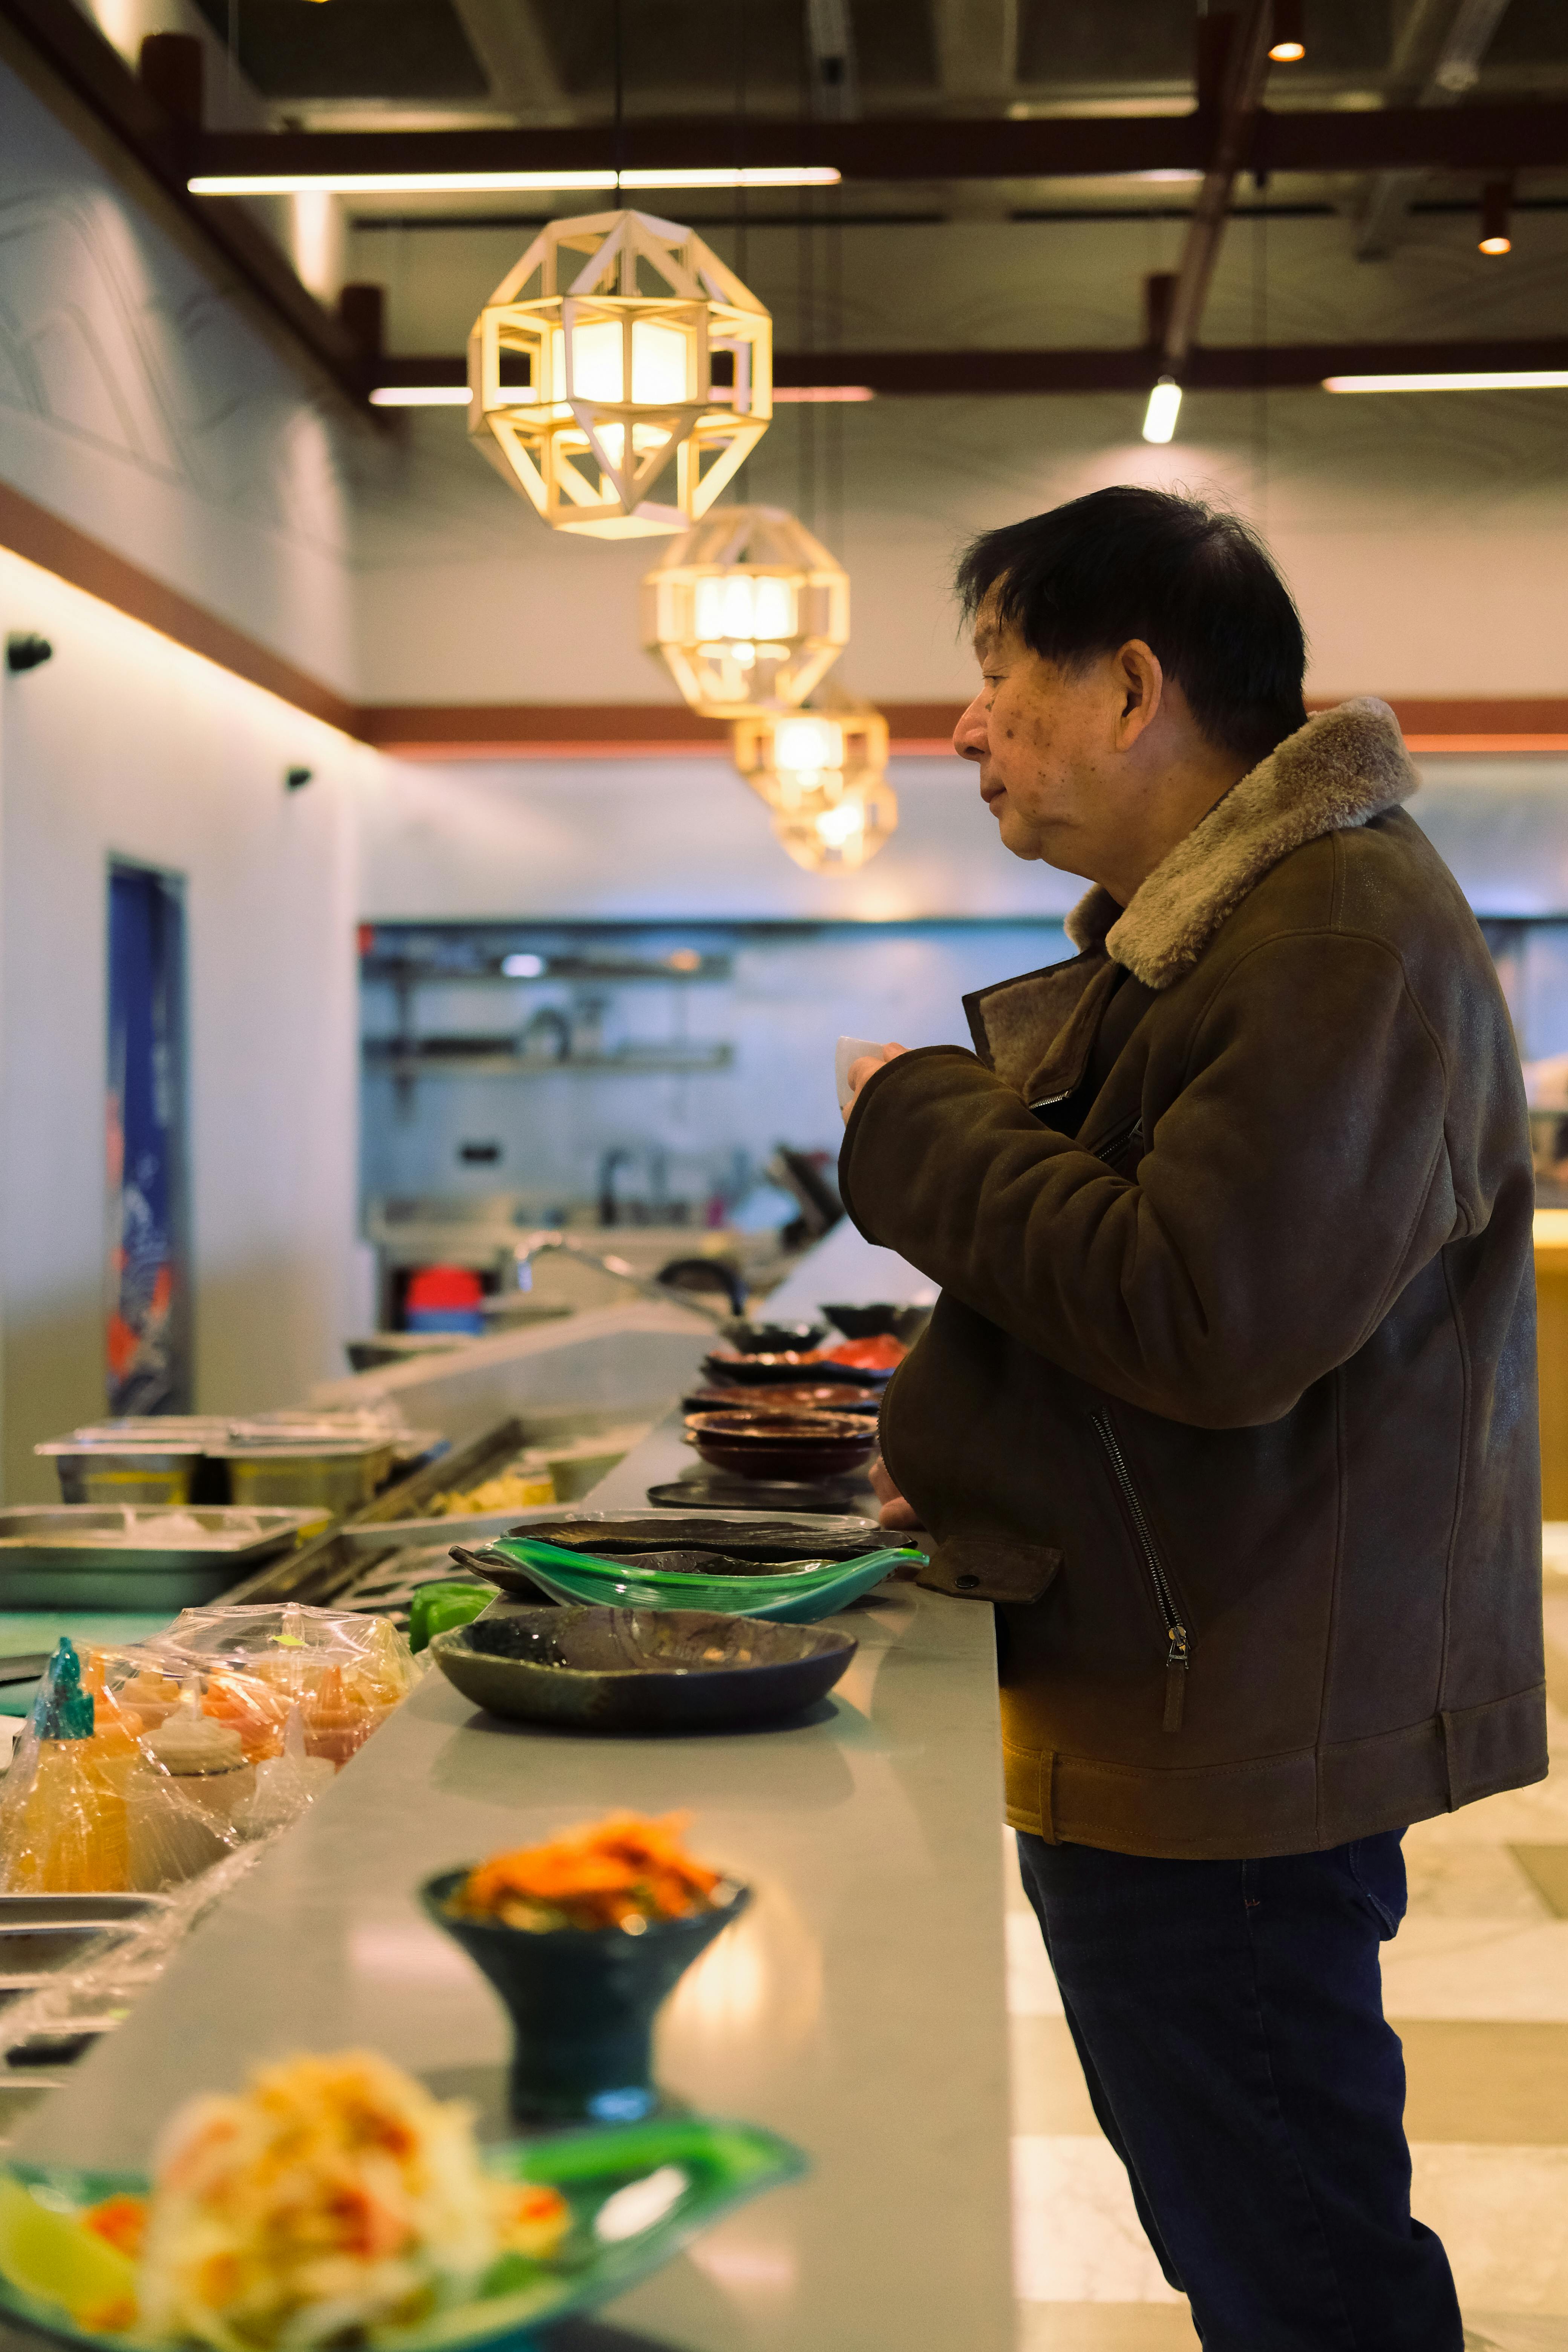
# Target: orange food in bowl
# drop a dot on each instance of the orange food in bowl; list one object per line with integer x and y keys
{"x": 628, "y": 1866}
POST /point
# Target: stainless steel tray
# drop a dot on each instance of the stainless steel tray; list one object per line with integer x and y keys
{"x": 48, "y": 1558}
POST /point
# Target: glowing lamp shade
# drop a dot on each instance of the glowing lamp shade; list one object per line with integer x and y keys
{"x": 823, "y": 775}
{"x": 748, "y": 611}
{"x": 840, "y": 835}
{"x": 592, "y": 375}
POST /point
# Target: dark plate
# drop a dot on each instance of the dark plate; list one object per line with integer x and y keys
{"x": 773, "y": 1372}
{"x": 887, "y": 1320}
{"x": 824, "y": 1396}
{"x": 773, "y": 1339}
{"x": 729, "y": 1535}
{"x": 825, "y": 1498}
{"x": 640, "y": 1669}
{"x": 770, "y": 1428}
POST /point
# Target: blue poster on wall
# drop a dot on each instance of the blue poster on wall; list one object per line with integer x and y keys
{"x": 148, "y": 1324}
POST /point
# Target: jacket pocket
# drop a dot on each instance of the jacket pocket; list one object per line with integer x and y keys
{"x": 1178, "y": 1654}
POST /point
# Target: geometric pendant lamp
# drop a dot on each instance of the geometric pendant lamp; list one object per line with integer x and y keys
{"x": 749, "y": 611}
{"x": 619, "y": 375}
{"x": 823, "y": 774}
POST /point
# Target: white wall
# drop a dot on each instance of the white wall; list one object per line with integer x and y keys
{"x": 144, "y": 400}
{"x": 125, "y": 744}
{"x": 629, "y": 838}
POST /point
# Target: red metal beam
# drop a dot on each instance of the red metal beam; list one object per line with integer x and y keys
{"x": 1238, "y": 48}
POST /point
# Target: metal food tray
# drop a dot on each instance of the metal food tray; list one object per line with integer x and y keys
{"x": 40, "y": 1570}
{"x": 320, "y": 1571}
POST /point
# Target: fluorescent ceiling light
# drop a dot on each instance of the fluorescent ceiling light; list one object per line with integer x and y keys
{"x": 420, "y": 395}
{"x": 522, "y": 966}
{"x": 491, "y": 183}
{"x": 817, "y": 392}
{"x": 1164, "y": 407}
{"x": 1491, "y": 379}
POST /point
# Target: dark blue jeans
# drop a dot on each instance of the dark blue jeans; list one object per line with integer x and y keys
{"x": 1229, "y": 2019}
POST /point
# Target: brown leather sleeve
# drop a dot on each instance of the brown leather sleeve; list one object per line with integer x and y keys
{"x": 1295, "y": 1178}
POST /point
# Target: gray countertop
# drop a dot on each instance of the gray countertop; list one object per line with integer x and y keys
{"x": 859, "y": 2007}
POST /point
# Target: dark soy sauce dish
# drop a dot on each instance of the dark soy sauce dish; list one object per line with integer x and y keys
{"x": 639, "y": 1669}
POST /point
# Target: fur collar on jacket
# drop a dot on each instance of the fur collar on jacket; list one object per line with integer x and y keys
{"x": 1344, "y": 767}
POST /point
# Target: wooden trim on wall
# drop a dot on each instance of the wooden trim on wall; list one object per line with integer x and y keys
{"x": 599, "y": 731}
{"x": 57, "y": 546}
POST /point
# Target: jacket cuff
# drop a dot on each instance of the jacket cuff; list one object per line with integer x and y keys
{"x": 989, "y": 1566}
{"x": 873, "y": 1085}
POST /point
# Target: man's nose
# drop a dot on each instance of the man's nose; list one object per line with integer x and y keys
{"x": 969, "y": 737}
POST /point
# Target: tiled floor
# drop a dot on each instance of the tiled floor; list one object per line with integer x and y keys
{"x": 1477, "y": 1984}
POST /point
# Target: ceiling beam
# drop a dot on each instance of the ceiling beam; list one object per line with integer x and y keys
{"x": 1463, "y": 138}
{"x": 976, "y": 50}
{"x": 78, "y": 58}
{"x": 1238, "y": 60}
{"x": 1436, "y": 60}
{"x": 506, "y": 38}
{"x": 980, "y": 374}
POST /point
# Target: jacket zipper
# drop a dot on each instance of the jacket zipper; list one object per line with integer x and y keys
{"x": 1179, "y": 1655}
{"x": 1117, "y": 1147}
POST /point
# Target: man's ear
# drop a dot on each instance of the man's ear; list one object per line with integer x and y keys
{"x": 1142, "y": 684}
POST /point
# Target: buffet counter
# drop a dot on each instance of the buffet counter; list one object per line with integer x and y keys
{"x": 858, "y": 2007}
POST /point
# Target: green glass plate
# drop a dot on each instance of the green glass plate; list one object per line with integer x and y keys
{"x": 800, "y": 1598}
{"x": 639, "y": 2192}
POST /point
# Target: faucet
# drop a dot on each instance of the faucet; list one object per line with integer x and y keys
{"x": 609, "y": 1207}
{"x": 547, "y": 1238}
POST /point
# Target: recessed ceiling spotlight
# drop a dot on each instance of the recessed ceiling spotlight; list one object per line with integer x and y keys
{"x": 1164, "y": 407}
{"x": 1495, "y": 201}
{"x": 1288, "y": 46}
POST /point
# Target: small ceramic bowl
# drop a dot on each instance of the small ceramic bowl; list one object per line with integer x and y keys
{"x": 773, "y": 1339}
{"x": 639, "y": 1669}
{"x": 582, "y": 2000}
{"x": 774, "y": 1371}
{"x": 905, "y": 1323}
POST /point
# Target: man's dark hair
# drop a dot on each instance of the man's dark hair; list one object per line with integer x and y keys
{"x": 1194, "y": 583}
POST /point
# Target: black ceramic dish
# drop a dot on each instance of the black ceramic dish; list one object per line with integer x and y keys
{"x": 773, "y": 1339}
{"x": 827, "y": 1496}
{"x": 887, "y": 1321}
{"x": 774, "y": 1371}
{"x": 640, "y": 1669}
{"x": 582, "y": 2001}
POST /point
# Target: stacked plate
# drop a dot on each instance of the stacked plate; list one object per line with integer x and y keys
{"x": 702, "y": 1564}
{"x": 809, "y": 1447}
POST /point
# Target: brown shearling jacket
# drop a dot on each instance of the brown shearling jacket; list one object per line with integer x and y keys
{"x": 1228, "y": 1401}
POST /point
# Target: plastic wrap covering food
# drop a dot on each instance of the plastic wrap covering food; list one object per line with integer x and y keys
{"x": 140, "y": 1769}
{"x": 344, "y": 1673}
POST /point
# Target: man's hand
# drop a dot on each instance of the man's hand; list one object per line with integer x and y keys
{"x": 864, "y": 1068}
{"x": 895, "y": 1512}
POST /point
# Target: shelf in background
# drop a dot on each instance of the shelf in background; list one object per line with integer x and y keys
{"x": 466, "y": 1063}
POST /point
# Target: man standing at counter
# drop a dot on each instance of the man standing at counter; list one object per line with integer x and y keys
{"x": 1228, "y": 1401}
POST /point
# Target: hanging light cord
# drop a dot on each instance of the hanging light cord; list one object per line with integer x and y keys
{"x": 1260, "y": 343}
{"x": 618, "y": 64}
{"x": 741, "y": 223}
